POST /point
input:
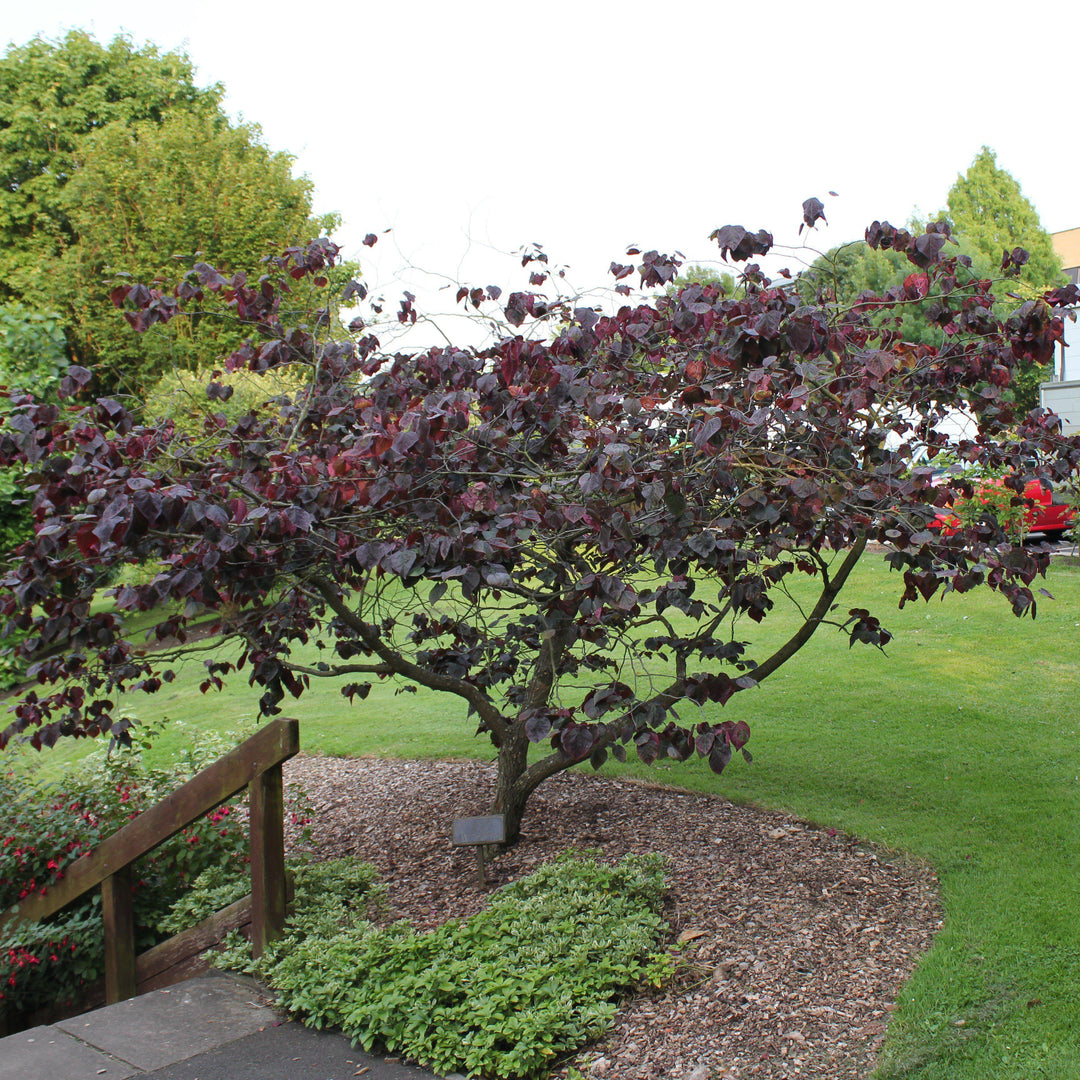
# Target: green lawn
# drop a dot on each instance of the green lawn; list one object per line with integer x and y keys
{"x": 959, "y": 747}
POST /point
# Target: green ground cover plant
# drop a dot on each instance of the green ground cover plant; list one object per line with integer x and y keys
{"x": 534, "y": 975}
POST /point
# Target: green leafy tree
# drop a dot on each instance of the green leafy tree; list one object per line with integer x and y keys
{"x": 33, "y": 359}
{"x": 52, "y": 94}
{"x": 112, "y": 161}
{"x": 845, "y": 272}
{"x": 988, "y": 215}
{"x": 33, "y": 353}
{"x": 696, "y": 274}
{"x": 145, "y": 195}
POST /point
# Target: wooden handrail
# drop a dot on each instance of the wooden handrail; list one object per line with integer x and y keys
{"x": 255, "y": 764}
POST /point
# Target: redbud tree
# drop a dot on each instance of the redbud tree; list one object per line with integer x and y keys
{"x": 573, "y": 528}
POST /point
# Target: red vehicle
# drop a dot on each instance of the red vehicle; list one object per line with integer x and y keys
{"x": 1049, "y": 512}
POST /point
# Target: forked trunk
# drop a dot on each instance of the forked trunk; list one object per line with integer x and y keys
{"x": 516, "y": 780}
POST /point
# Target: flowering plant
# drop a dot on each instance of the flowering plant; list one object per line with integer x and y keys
{"x": 49, "y": 826}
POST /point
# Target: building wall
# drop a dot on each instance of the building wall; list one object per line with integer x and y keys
{"x": 1067, "y": 245}
{"x": 1064, "y": 399}
{"x": 1068, "y": 364}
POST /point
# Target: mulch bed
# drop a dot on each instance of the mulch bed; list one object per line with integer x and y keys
{"x": 795, "y": 940}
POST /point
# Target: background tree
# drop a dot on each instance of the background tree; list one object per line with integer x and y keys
{"x": 576, "y": 535}
{"x": 144, "y": 195}
{"x": 846, "y": 272}
{"x": 989, "y": 215}
{"x": 52, "y": 94}
{"x": 33, "y": 359}
{"x": 113, "y": 160}
{"x": 704, "y": 275}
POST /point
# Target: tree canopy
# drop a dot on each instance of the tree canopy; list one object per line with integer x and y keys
{"x": 575, "y": 530}
{"x": 114, "y": 162}
{"x": 51, "y": 96}
{"x": 988, "y": 216}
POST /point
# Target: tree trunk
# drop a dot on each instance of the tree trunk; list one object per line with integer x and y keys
{"x": 510, "y": 794}
{"x": 516, "y": 781}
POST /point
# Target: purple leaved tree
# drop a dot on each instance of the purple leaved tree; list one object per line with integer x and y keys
{"x": 572, "y": 529}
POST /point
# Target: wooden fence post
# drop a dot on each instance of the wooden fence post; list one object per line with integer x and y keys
{"x": 119, "y": 936}
{"x": 267, "y": 809}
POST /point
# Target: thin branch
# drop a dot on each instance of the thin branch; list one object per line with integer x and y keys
{"x": 335, "y": 670}
{"x": 490, "y": 717}
{"x": 830, "y": 589}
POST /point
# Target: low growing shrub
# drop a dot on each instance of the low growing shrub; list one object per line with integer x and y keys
{"x": 536, "y": 974}
{"x": 45, "y": 831}
{"x": 215, "y": 888}
{"x": 47, "y": 827}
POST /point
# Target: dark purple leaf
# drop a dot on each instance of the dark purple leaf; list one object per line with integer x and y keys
{"x": 537, "y": 726}
{"x": 576, "y": 741}
{"x": 813, "y": 210}
{"x": 648, "y": 746}
{"x": 720, "y": 756}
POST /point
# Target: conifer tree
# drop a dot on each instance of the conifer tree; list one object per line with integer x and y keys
{"x": 990, "y": 215}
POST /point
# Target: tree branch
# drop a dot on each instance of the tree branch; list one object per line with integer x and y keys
{"x": 331, "y": 671}
{"x": 490, "y": 717}
{"x": 554, "y": 763}
{"x": 829, "y": 592}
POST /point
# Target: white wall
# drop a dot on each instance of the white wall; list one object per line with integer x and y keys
{"x": 1071, "y": 352}
{"x": 1064, "y": 399}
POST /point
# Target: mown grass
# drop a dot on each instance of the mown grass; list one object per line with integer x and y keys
{"x": 958, "y": 747}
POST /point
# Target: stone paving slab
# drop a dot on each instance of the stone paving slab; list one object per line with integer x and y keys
{"x": 171, "y": 1025}
{"x": 45, "y": 1053}
{"x": 217, "y": 1027}
{"x": 288, "y": 1052}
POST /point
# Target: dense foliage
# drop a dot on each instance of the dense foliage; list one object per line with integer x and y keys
{"x": 535, "y": 974}
{"x": 574, "y": 529}
{"x": 33, "y": 358}
{"x": 988, "y": 215}
{"x": 52, "y": 94}
{"x": 114, "y": 162}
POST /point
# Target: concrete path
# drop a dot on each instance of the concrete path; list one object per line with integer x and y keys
{"x": 211, "y": 1028}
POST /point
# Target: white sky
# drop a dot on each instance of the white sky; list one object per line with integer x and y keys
{"x": 590, "y": 125}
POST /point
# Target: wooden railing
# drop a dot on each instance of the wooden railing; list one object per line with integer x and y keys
{"x": 255, "y": 764}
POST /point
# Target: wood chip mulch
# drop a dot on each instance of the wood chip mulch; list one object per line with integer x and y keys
{"x": 795, "y": 940}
